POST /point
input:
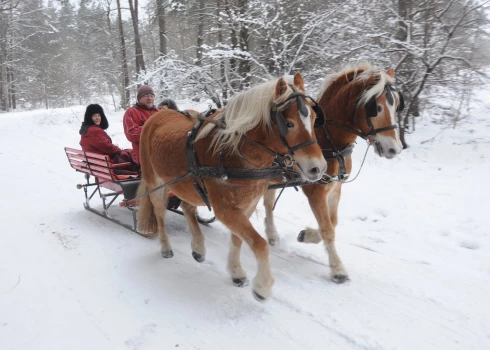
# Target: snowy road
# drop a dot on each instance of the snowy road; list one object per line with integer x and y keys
{"x": 413, "y": 234}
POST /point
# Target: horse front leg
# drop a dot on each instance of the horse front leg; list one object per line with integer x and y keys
{"x": 317, "y": 197}
{"x": 270, "y": 227}
{"x": 239, "y": 225}
{"x": 197, "y": 242}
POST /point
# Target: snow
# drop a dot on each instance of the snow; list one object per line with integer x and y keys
{"x": 413, "y": 234}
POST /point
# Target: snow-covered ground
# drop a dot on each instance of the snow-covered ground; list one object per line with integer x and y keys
{"x": 413, "y": 233}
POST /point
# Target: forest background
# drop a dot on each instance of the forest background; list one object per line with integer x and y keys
{"x": 60, "y": 53}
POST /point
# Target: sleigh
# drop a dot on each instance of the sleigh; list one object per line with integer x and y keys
{"x": 111, "y": 183}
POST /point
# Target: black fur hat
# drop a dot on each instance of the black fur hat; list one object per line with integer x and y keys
{"x": 87, "y": 120}
{"x": 169, "y": 103}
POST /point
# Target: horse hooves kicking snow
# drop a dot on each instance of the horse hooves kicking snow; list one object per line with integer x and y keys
{"x": 240, "y": 282}
{"x": 167, "y": 254}
{"x": 337, "y": 278}
{"x": 259, "y": 297}
{"x": 198, "y": 257}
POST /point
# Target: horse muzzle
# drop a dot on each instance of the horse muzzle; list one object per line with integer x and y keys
{"x": 386, "y": 147}
{"x": 312, "y": 169}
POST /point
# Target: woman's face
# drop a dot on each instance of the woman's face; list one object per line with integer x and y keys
{"x": 96, "y": 118}
{"x": 162, "y": 107}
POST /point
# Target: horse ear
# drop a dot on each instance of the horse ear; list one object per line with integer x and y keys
{"x": 298, "y": 81}
{"x": 281, "y": 87}
{"x": 391, "y": 72}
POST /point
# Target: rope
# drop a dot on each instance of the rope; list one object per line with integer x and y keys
{"x": 360, "y": 168}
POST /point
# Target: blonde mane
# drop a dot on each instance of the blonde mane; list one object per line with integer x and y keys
{"x": 244, "y": 112}
{"x": 362, "y": 72}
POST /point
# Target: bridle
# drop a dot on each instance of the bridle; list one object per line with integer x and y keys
{"x": 279, "y": 120}
{"x": 371, "y": 111}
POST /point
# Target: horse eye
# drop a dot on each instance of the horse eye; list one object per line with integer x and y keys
{"x": 290, "y": 125}
{"x": 380, "y": 109}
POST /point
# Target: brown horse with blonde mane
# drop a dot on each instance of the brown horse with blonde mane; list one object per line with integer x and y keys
{"x": 229, "y": 166}
{"x": 357, "y": 101}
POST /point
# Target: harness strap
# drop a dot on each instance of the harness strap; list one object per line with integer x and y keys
{"x": 329, "y": 153}
{"x": 347, "y": 128}
{"x": 275, "y": 171}
{"x": 174, "y": 180}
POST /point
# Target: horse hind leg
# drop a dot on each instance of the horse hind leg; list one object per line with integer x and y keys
{"x": 197, "y": 242}
{"x": 159, "y": 200}
{"x": 270, "y": 227}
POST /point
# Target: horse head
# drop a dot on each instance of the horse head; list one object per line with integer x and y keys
{"x": 377, "y": 118}
{"x": 293, "y": 120}
{"x": 276, "y": 117}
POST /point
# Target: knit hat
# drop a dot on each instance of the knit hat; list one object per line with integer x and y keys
{"x": 144, "y": 90}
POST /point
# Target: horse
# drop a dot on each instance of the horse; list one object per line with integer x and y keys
{"x": 235, "y": 150}
{"x": 357, "y": 101}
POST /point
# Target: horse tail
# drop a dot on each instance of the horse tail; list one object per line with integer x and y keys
{"x": 147, "y": 220}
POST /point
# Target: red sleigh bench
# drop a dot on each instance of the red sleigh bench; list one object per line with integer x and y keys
{"x": 100, "y": 173}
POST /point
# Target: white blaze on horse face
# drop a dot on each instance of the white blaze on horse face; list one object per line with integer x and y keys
{"x": 306, "y": 119}
{"x": 390, "y": 147}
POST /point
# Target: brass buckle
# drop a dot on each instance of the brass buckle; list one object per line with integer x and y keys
{"x": 288, "y": 160}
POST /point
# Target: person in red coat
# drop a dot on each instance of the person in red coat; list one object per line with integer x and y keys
{"x": 136, "y": 116}
{"x": 93, "y": 137}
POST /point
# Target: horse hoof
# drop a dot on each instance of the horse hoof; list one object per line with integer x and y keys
{"x": 340, "y": 278}
{"x": 301, "y": 236}
{"x": 240, "y": 282}
{"x": 259, "y": 297}
{"x": 198, "y": 257}
{"x": 272, "y": 241}
{"x": 167, "y": 254}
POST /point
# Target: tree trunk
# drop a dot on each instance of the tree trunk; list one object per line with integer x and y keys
{"x": 162, "y": 27}
{"x": 224, "y": 87}
{"x": 244, "y": 67}
{"x": 200, "y": 33}
{"x": 402, "y": 35}
{"x": 125, "y": 72}
{"x": 112, "y": 78}
{"x": 11, "y": 89}
{"x": 234, "y": 42}
{"x": 140, "y": 62}
{"x": 4, "y": 98}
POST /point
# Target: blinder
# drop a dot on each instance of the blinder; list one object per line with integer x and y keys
{"x": 320, "y": 117}
{"x": 281, "y": 124}
{"x": 371, "y": 108}
{"x": 302, "y": 107}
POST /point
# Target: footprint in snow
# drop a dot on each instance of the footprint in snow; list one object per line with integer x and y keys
{"x": 469, "y": 245}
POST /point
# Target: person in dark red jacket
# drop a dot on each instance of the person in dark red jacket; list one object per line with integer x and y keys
{"x": 136, "y": 116}
{"x": 93, "y": 137}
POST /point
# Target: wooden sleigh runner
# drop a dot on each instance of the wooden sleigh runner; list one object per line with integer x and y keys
{"x": 102, "y": 177}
